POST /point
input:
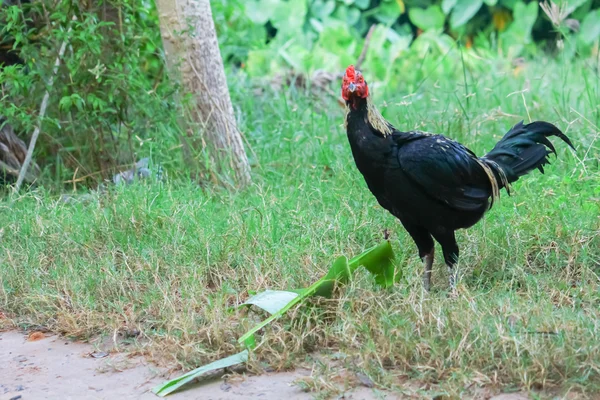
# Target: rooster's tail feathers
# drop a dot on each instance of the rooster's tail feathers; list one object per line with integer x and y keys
{"x": 522, "y": 149}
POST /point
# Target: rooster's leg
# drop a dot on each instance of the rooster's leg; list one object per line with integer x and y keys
{"x": 450, "y": 262}
{"x": 452, "y": 277}
{"x": 428, "y": 259}
{"x": 424, "y": 243}
{"x": 450, "y": 250}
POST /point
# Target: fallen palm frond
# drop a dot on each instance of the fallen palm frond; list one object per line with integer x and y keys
{"x": 377, "y": 260}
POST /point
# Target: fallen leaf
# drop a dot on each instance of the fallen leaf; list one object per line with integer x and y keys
{"x": 35, "y": 336}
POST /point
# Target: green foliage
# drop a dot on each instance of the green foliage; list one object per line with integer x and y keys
{"x": 463, "y": 11}
{"x": 590, "y": 27}
{"x": 431, "y": 17}
{"x": 310, "y": 35}
{"x": 109, "y": 105}
{"x": 518, "y": 34}
{"x": 307, "y": 35}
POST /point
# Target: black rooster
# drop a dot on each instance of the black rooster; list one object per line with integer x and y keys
{"x": 432, "y": 184}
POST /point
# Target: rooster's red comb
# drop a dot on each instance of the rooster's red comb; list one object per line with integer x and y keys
{"x": 350, "y": 72}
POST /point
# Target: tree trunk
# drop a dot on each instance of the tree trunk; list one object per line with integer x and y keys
{"x": 192, "y": 53}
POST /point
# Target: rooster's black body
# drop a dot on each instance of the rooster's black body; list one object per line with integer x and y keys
{"x": 432, "y": 184}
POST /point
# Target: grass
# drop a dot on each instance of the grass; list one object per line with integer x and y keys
{"x": 170, "y": 260}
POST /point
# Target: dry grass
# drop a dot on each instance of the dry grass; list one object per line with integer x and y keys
{"x": 164, "y": 266}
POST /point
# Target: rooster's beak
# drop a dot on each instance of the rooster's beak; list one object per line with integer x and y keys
{"x": 351, "y": 87}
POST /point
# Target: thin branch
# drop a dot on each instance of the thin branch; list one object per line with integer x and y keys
{"x": 359, "y": 61}
{"x": 36, "y": 131}
{"x": 363, "y": 53}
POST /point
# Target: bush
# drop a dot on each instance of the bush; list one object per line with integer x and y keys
{"x": 307, "y": 35}
{"x": 109, "y": 104}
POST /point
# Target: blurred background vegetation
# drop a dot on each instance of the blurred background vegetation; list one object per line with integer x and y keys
{"x": 112, "y": 104}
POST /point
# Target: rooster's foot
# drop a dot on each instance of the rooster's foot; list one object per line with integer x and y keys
{"x": 452, "y": 281}
{"x": 428, "y": 267}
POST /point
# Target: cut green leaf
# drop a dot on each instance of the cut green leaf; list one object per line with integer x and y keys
{"x": 338, "y": 273}
{"x": 271, "y": 300}
{"x": 377, "y": 260}
{"x": 171, "y": 386}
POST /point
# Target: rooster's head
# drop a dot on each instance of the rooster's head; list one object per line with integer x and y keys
{"x": 354, "y": 86}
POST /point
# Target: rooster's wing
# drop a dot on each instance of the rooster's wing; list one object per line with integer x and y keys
{"x": 446, "y": 171}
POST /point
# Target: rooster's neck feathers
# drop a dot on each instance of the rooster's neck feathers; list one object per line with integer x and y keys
{"x": 373, "y": 117}
{"x": 376, "y": 119}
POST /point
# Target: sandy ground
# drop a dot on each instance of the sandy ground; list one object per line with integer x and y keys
{"x": 55, "y": 368}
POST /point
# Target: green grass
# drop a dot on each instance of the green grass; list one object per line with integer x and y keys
{"x": 171, "y": 260}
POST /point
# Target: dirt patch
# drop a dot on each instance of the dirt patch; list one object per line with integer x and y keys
{"x": 51, "y": 367}
{"x": 42, "y": 366}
